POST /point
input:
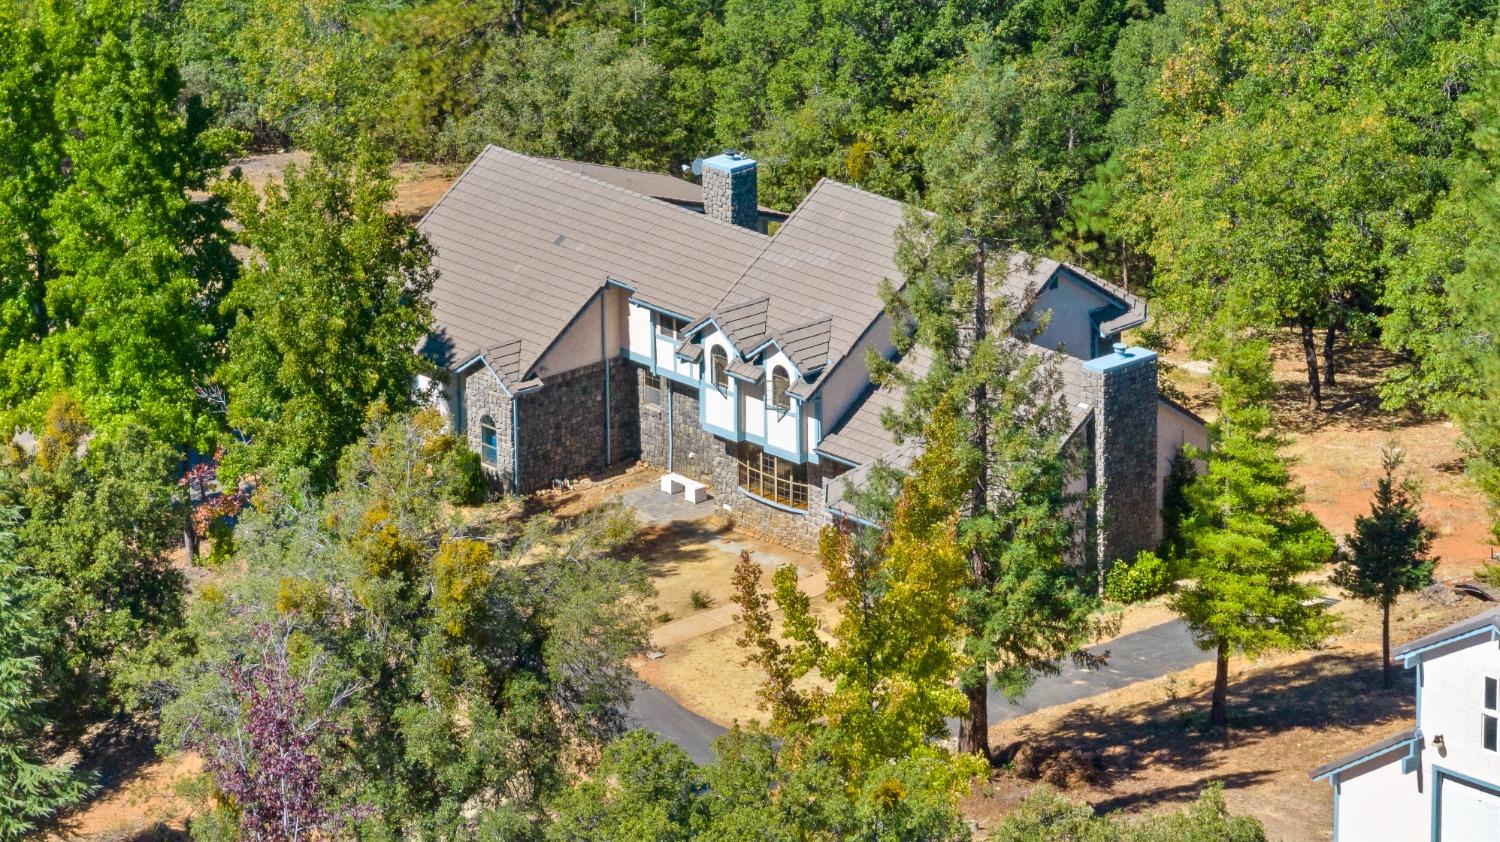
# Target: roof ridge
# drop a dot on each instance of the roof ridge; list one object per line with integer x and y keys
{"x": 549, "y": 164}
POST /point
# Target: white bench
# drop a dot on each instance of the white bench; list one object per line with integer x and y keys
{"x": 692, "y": 491}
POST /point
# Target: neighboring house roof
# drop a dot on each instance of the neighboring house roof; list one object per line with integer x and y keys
{"x": 1473, "y": 627}
{"x": 522, "y": 245}
{"x": 1354, "y": 758}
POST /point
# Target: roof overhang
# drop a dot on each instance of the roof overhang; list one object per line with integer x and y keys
{"x": 1408, "y": 740}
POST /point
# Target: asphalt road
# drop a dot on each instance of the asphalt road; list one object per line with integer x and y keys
{"x": 1138, "y": 656}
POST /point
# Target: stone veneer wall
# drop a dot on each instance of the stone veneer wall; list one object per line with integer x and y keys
{"x": 1124, "y": 395}
{"x": 482, "y": 395}
{"x": 562, "y": 424}
{"x": 731, "y": 197}
{"x": 700, "y": 455}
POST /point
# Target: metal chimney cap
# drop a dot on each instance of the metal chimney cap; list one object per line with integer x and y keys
{"x": 1122, "y": 349}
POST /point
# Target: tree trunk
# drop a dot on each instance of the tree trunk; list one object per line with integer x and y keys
{"x": 1387, "y": 678}
{"x": 517, "y": 9}
{"x": 1328, "y": 355}
{"x": 974, "y": 727}
{"x": 974, "y": 730}
{"x": 1218, "y": 714}
{"x": 1124, "y": 264}
{"x": 1310, "y": 353}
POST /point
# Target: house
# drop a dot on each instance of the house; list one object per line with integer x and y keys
{"x": 1438, "y": 781}
{"x": 587, "y": 316}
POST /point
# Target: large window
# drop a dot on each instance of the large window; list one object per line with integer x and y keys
{"x": 779, "y": 383}
{"x": 772, "y": 478}
{"x": 489, "y": 442}
{"x": 1489, "y": 721}
{"x": 718, "y": 362}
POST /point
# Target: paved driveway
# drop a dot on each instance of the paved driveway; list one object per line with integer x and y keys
{"x": 1138, "y": 656}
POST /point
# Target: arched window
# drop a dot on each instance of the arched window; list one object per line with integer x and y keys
{"x": 779, "y": 383}
{"x": 718, "y": 363}
{"x": 489, "y": 442}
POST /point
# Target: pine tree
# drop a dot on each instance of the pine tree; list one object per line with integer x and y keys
{"x": 1246, "y": 539}
{"x": 31, "y": 790}
{"x": 1025, "y": 605}
{"x": 1389, "y": 550}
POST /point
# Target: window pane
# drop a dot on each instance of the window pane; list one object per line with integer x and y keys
{"x": 1489, "y": 732}
{"x": 1490, "y": 689}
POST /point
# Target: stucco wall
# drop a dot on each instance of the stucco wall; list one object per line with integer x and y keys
{"x": 1174, "y": 428}
{"x": 641, "y": 332}
{"x": 1069, "y": 328}
{"x": 845, "y": 382}
{"x": 1378, "y": 803}
{"x": 720, "y": 407}
{"x": 591, "y": 336}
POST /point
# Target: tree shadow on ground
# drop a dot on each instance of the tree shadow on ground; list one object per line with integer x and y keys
{"x": 1353, "y": 401}
{"x": 1173, "y": 733}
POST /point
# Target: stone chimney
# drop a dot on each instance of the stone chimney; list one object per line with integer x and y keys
{"x": 729, "y": 190}
{"x": 1122, "y": 388}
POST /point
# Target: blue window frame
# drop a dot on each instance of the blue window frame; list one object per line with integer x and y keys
{"x": 489, "y": 450}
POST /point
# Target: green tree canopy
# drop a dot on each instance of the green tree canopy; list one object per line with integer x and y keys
{"x": 112, "y": 267}
{"x": 473, "y": 680}
{"x": 99, "y": 518}
{"x": 327, "y": 318}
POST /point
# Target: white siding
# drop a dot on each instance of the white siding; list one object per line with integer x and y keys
{"x": 641, "y": 331}
{"x": 1452, "y": 700}
{"x": 753, "y": 409}
{"x": 781, "y": 425}
{"x": 848, "y": 380}
{"x": 1378, "y": 803}
{"x": 1069, "y": 329}
{"x": 720, "y": 408}
{"x": 435, "y": 392}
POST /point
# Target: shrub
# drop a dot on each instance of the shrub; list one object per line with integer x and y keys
{"x": 1146, "y": 577}
{"x": 468, "y": 478}
{"x": 700, "y": 600}
{"x": 1489, "y": 574}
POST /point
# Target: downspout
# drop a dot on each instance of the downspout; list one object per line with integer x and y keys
{"x": 515, "y": 438}
{"x": 671, "y": 422}
{"x": 609, "y": 458}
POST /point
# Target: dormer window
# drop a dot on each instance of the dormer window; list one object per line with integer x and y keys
{"x": 668, "y": 327}
{"x": 779, "y": 384}
{"x": 718, "y": 363}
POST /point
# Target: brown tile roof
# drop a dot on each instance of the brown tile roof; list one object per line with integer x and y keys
{"x": 523, "y": 244}
{"x": 860, "y": 437}
{"x": 657, "y": 185}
